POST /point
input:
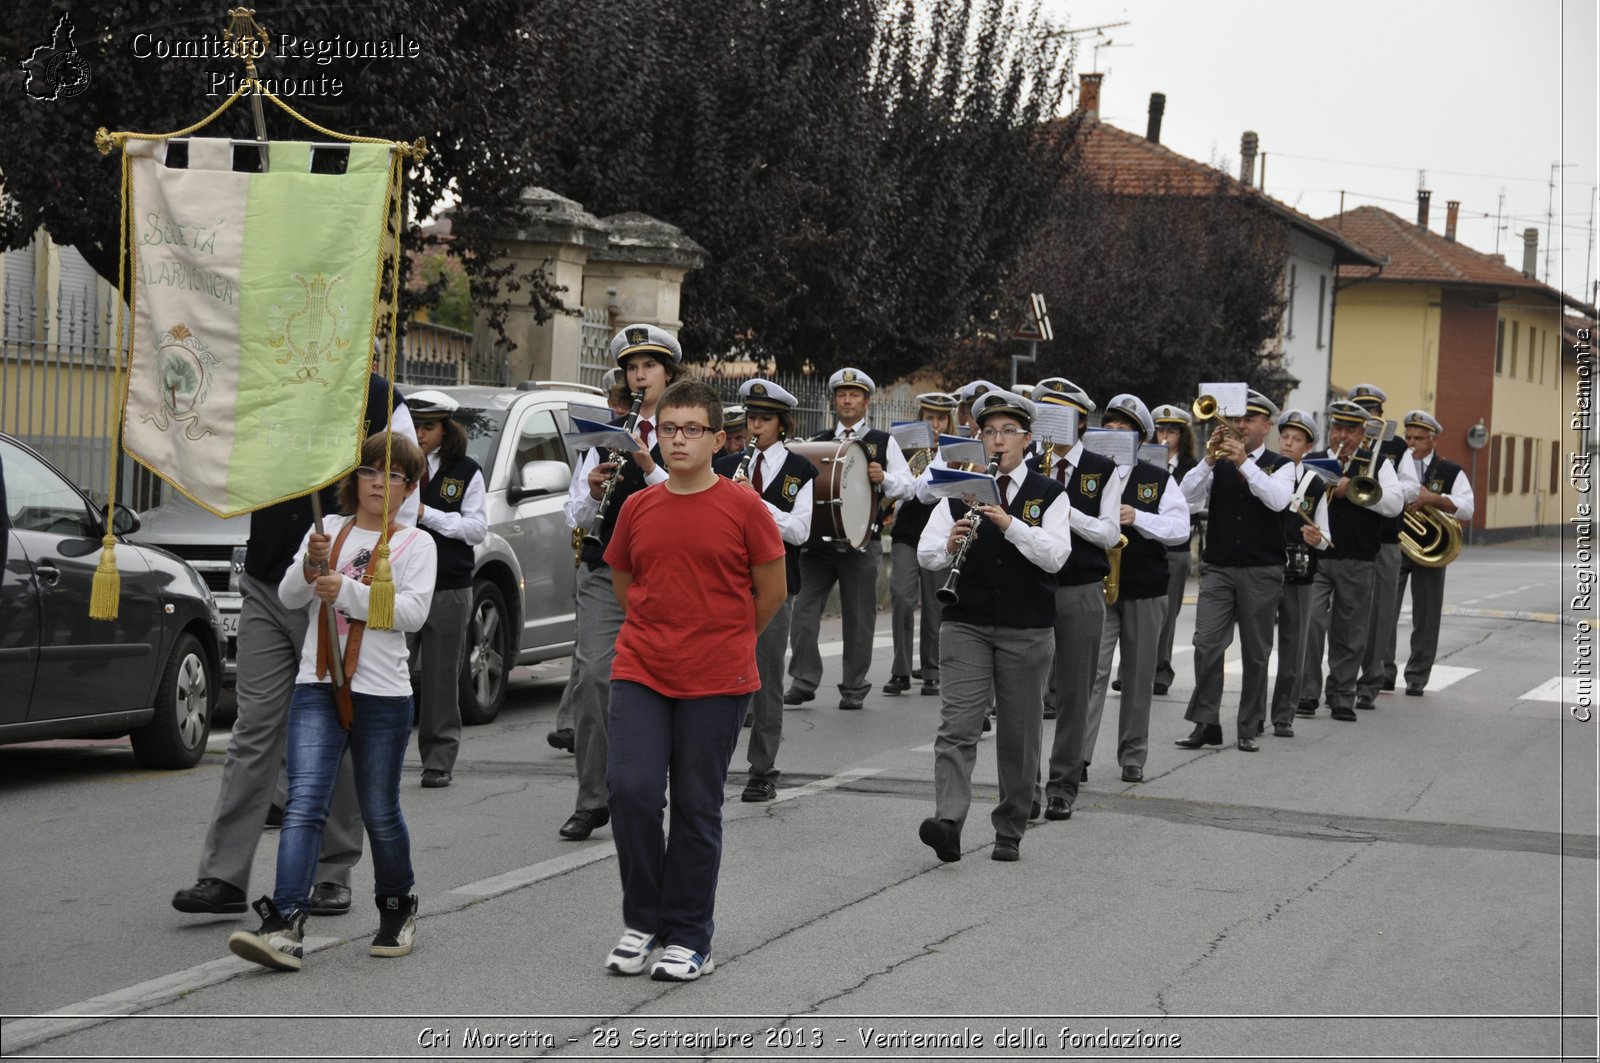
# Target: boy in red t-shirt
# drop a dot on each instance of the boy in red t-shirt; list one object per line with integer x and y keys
{"x": 697, "y": 563}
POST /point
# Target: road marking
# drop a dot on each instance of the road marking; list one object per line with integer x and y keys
{"x": 833, "y": 782}
{"x": 1444, "y": 675}
{"x": 1502, "y": 614}
{"x": 495, "y": 885}
{"x": 1562, "y": 688}
{"x": 135, "y": 998}
{"x": 836, "y": 649}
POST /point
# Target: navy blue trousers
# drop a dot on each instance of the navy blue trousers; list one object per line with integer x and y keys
{"x": 669, "y": 882}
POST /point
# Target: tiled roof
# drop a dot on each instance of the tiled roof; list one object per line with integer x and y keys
{"x": 1128, "y": 164}
{"x": 1411, "y": 253}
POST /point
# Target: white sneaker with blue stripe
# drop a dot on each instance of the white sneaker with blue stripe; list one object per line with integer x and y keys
{"x": 632, "y": 953}
{"x": 678, "y": 964}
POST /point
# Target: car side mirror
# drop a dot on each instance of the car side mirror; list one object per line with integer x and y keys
{"x": 124, "y": 521}
{"x": 540, "y": 478}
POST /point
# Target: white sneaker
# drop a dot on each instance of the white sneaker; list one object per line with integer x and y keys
{"x": 278, "y": 943}
{"x": 632, "y": 953}
{"x": 678, "y": 964}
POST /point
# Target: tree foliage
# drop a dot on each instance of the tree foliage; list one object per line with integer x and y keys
{"x": 863, "y": 173}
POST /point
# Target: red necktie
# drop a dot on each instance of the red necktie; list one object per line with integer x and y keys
{"x": 755, "y": 481}
{"x": 1005, "y": 491}
{"x": 1061, "y": 472}
{"x": 644, "y": 433}
{"x": 849, "y": 433}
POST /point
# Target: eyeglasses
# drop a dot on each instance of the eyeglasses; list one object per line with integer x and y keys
{"x": 1010, "y": 431}
{"x": 666, "y": 430}
{"x": 395, "y": 477}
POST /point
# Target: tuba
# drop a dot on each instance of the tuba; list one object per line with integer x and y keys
{"x": 1112, "y": 583}
{"x": 1430, "y": 537}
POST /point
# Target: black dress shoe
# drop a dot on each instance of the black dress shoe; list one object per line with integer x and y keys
{"x": 1132, "y": 773}
{"x": 329, "y": 898}
{"x": 1388, "y": 684}
{"x": 1057, "y": 808}
{"x": 759, "y": 790}
{"x": 1307, "y": 707}
{"x": 1204, "y": 734}
{"x": 916, "y": 673}
{"x": 1283, "y": 730}
{"x": 1247, "y": 745}
{"x": 1116, "y": 684}
{"x": 1083, "y": 773}
{"x": 897, "y": 684}
{"x": 1413, "y": 692}
{"x": 850, "y": 702}
{"x": 584, "y": 822}
{"x": 1049, "y": 714}
{"x": 943, "y": 837}
{"x": 1007, "y": 850}
{"x": 275, "y": 817}
{"x": 1261, "y": 726}
{"x": 930, "y": 688}
{"x": 1033, "y": 811}
{"x": 1159, "y": 690}
{"x": 1344, "y": 714}
{"x": 561, "y": 738}
{"x": 435, "y": 779}
{"x": 988, "y": 723}
{"x": 798, "y": 697}
{"x": 209, "y": 896}
{"x": 1365, "y": 703}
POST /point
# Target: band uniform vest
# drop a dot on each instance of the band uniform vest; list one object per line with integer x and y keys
{"x": 1394, "y": 451}
{"x": 1356, "y": 530}
{"x": 781, "y": 489}
{"x": 1241, "y": 531}
{"x": 998, "y": 586}
{"x": 1086, "y": 486}
{"x": 445, "y": 493}
{"x": 631, "y": 483}
{"x": 1144, "y": 561}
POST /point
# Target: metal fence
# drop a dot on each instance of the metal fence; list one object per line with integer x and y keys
{"x": 432, "y": 355}
{"x": 594, "y": 347}
{"x": 815, "y": 413}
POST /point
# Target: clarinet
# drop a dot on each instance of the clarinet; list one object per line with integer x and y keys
{"x": 743, "y": 471}
{"x": 948, "y": 593}
{"x": 616, "y": 457}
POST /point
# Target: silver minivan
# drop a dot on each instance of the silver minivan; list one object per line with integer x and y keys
{"x": 522, "y": 606}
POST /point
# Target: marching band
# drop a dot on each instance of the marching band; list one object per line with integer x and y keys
{"x": 1014, "y": 588}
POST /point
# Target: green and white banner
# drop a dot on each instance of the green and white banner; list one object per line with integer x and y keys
{"x": 255, "y": 297}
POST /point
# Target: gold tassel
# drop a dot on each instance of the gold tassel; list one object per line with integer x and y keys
{"x": 106, "y": 590}
{"x": 380, "y": 597}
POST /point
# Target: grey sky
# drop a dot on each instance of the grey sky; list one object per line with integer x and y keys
{"x": 1379, "y": 89}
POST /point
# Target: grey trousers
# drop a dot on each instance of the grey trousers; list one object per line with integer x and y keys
{"x": 1377, "y": 667}
{"x": 1294, "y": 622}
{"x": 1134, "y": 624}
{"x": 599, "y": 622}
{"x": 1341, "y": 606}
{"x": 976, "y": 660}
{"x": 1177, "y": 583}
{"x": 270, "y": 639}
{"x": 856, "y": 572}
{"x": 766, "y": 709}
{"x": 436, "y": 673}
{"x": 564, "y": 709}
{"x": 911, "y": 588}
{"x": 1080, "y": 616}
{"x": 1427, "y": 606}
{"x": 1247, "y": 596}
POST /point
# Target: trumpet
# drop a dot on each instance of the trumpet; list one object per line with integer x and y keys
{"x": 1112, "y": 583}
{"x": 948, "y": 593}
{"x": 1206, "y": 408}
{"x": 592, "y": 536}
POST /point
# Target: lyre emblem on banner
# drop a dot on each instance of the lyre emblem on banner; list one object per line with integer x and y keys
{"x": 185, "y": 368}
{"x": 313, "y": 332}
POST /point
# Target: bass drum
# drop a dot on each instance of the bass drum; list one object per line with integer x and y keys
{"x": 844, "y": 506}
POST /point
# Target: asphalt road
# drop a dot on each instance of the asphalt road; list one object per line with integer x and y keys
{"x": 1419, "y": 884}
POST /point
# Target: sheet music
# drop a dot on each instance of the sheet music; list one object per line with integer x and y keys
{"x": 913, "y": 435}
{"x": 955, "y": 450}
{"x": 1154, "y": 453}
{"x": 1231, "y": 397}
{"x": 1327, "y": 468}
{"x": 1058, "y": 424}
{"x": 586, "y": 433}
{"x": 955, "y": 483}
{"x": 1119, "y": 444}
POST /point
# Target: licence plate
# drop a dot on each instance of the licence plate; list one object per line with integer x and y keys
{"x": 230, "y": 625}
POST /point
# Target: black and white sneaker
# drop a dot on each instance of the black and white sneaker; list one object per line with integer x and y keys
{"x": 279, "y": 943}
{"x": 632, "y": 954}
{"x": 679, "y": 964}
{"x": 397, "y": 925}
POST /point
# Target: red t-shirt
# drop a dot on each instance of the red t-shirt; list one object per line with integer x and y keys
{"x": 690, "y": 631}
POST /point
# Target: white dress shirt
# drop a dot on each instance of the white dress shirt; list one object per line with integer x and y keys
{"x": 1046, "y": 546}
{"x": 898, "y": 483}
{"x": 582, "y": 508}
{"x": 1459, "y": 492}
{"x": 1170, "y": 523}
{"x": 471, "y": 525}
{"x": 1104, "y": 528}
{"x": 795, "y": 526}
{"x": 1272, "y": 489}
{"x": 1390, "y": 505}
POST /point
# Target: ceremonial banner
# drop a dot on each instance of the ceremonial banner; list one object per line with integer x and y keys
{"x": 255, "y": 297}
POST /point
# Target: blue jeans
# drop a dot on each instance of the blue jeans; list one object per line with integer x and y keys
{"x": 377, "y": 741}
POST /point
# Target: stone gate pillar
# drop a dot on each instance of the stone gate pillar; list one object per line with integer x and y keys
{"x": 644, "y": 261}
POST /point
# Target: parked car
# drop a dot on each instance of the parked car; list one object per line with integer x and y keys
{"x": 152, "y": 674}
{"x": 522, "y": 603}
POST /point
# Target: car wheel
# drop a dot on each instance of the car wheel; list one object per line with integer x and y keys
{"x": 176, "y": 737}
{"x": 483, "y": 672}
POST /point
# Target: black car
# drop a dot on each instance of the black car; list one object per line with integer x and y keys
{"x": 152, "y": 673}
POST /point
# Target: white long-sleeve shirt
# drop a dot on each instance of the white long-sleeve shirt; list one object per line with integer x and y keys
{"x": 1048, "y": 545}
{"x": 381, "y": 668}
{"x": 1459, "y": 492}
{"x": 1390, "y": 505}
{"x": 1104, "y": 528}
{"x": 1170, "y": 523}
{"x": 471, "y": 525}
{"x": 1272, "y": 489}
{"x": 794, "y": 526}
{"x": 581, "y": 508}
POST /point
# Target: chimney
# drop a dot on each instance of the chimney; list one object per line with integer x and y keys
{"x": 1530, "y": 253}
{"x": 1089, "y": 96}
{"x": 1451, "y": 208}
{"x": 1247, "y": 158}
{"x": 1423, "y": 195}
{"x": 1158, "y": 107}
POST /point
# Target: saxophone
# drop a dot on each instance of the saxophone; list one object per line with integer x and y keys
{"x": 1112, "y": 584}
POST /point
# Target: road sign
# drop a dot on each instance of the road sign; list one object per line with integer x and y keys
{"x": 1036, "y": 328}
